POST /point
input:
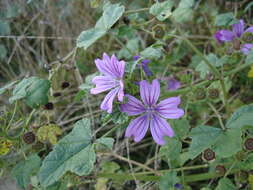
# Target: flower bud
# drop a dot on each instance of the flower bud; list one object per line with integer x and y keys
{"x": 29, "y": 137}
{"x": 247, "y": 37}
{"x": 208, "y": 155}
{"x": 200, "y": 94}
{"x": 213, "y": 93}
{"x": 49, "y": 106}
{"x": 248, "y": 144}
{"x": 220, "y": 169}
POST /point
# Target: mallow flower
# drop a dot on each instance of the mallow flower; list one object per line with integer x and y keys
{"x": 112, "y": 71}
{"x": 173, "y": 84}
{"x": 144, "y": 65}
{"x": 238, "y": 30}
{"x": 153, "y": 115}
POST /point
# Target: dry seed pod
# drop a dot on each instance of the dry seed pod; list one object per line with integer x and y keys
{"x": 29, "y": 137}
{"x": 208, "y": 155}
{"x": 57, "y": 94}
{"x": 213, "y": 93}
{"x": 248, "y": 144}
{"x": 200, "y": 94}
{"x": 220, "y": 169}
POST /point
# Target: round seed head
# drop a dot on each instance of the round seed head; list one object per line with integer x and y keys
{"x": 29, "y": 137}
{"x": 248, "y": 144}
{"x": 220, "y": 169}
{"x": 49, "y": 106}
{"x": 65, "y": 84}
{"x": 213, "y": 93}
{"x": 208, "y": 155}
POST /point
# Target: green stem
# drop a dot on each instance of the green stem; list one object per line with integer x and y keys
{"x": 136, "y": 11}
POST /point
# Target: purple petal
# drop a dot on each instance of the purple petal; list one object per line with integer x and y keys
{"x": 138, "y": 128}
{"x": 110, "y": 66}
{"x": 145, "y": 61}
{"x": 224, "y": 35}
{"x": 103, "y": 83}
{"x": 168, "y": 108}
{"x": 133, "y": 106}
{"x": 250, "y": 29}
{"x": 246, "y": 48}
{"x": 146, "y": 68}
{"x": 136, "y": 57}
{"x": 160, "y": 128}
{"x": 238, "y": 28}
{"x": 108, "y": 100}
{"x": 121, "y": 91}
{"x": 150, "y": 92}
{"x": 173, "y": 84}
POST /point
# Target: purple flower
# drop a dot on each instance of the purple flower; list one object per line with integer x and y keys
{"x": 178, "y": 186}
{"x": 113, "y": 71}
{"x": 246, "y": 48}
{"x": 238, "y": 30}
{"x": 173, "y": 84}
{"x": 153, "y": 115}
{"x": 136, "y": 57}
{"x": 144, "y": 64}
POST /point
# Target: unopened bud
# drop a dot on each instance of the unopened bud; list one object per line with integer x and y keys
{"x": 220, "y": 169}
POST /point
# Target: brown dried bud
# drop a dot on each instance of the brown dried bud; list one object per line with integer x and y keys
{"x": 247, "y": 37}
{"x": 200, "y": 94}
{"x": 49, "y": 106}
{"x": 29, "y": 137}
{"x": 208, "y": 155}
{"x": 248, "y": 144}
{"x": 213, "y": 93}
{"x": 65, "y": 84}
{"x": 57, "y": 94}
{"x": 220, "y": 169}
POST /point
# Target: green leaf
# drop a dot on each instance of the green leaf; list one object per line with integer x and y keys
{"x": 34, "y": 90}
{"x": 168, "y": 180}
{"x": 249, "y": 58}
{"x": 171, "y": 150}
{"x": 241, "y": 117}
{"x": 3, "y": 51}
{"x": 202, "y": 138}
{"x": 162, "y": 10}
{"x": 111, "y": 14}
{"x": 151, "y": 53}
{"x": 181, "y": 127}
{"x": 225, "y": 184}
{"x": 6, "y": 87}
{"x": 223, "y": 143}
{"x": 37, "y": 93}
{"x": 184, "y": 11}
{"x": 88, "y": 37}
{"x": 24, "y": 170}
{"x": 4, "y": 28}
{"x": 73, "y": 153}
{"x": 224, "y": 19}
{"x": 106, "y": 141}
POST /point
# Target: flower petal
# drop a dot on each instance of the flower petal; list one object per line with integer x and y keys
{"x": 250, "y": 29}
{"x": 111, "y": 66}
{"x": 133, "y": 106}
{"x": 159, "y": 128}
{"x": 138, "y": 128}
{"x": 108, "y": 100}
{"x": 121, "y": 92}
{"x": 224, "y": 35}
{"x": 173, "y": 84}
{"x": 103, "y": 83}
{"x": 238, "y": 28}
{"x": 150, "y": 92}
{"x": 168, "y": 108}
{"x": 246, "y": 48}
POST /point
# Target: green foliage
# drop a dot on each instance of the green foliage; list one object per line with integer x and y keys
{"x": 162, "y": 10}
{"x": 223, "y": 143}
{"x": 249, "y": 58}
{"x": 7, "y": 86}
{"x": 111, "y": 14}
{"x": 3, "y": 51}
{"x": 24, "y": 170}
{"x": 224, "y": 19}
{"x": 184, "y": 11}
{"x": 225, "y": 184}
{"x": 4, "y": 28}
{"x": 33, "y": 90}
{"x": 151, "y": 53}
{"x": 106, "y": 141}
{"x": 168, "y": 180}
{"x": 181, "y": 127}
{"x": 73, "y": 153}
